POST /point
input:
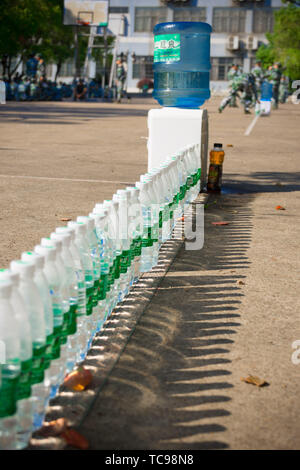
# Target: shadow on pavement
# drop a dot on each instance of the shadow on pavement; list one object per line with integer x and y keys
{"x": 262, "y": 182}
{"x": 171, "y": 386}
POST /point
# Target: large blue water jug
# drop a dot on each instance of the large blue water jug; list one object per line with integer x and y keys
{"x": 266, "y": 91}
{"x": 182, "y": 63}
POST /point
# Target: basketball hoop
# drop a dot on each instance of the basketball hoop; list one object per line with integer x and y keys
{"x": 83, "y": 23}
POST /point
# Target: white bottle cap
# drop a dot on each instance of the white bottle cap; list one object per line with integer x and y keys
{"x": 86, "y": 220}
{"x": 5, "y": 289}
{"x": 47, "y": 251}
{"x": 80, "y": 228}
{"x": 49, "y": 242}
{"x": 35, "y": 258}
{"x": 24, "y": 268}
{"x": 65, "y": 238}
{"x": 69, "y": 230}
{"x": 8, "y": 275}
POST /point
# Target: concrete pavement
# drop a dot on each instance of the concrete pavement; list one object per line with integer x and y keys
{"x": 219, "y": 314}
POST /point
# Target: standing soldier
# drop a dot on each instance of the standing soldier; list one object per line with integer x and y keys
{"x": 258, "y": 73}
{"x": 121, "y": 73}
{"x": 283, "y": 89}
{"x": 274, "y": 76}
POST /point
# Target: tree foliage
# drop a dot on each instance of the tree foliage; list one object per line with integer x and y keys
{"x": 284, "y": 42}
{"x": 31, "y": 26}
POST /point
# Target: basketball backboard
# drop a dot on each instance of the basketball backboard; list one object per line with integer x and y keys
{"x": 86, "y": 12}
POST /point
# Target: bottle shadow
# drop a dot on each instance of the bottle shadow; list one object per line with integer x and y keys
{"x": 170, "y": 388}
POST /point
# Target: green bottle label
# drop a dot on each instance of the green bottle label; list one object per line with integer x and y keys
{"x": 96, "y": 293}
{"x": 56, "y": 342}
{"x": 138, "y": 247}
{"x": 116, "y": 274}
{"x": 89, "y": 300}
{"x": 199, "y": 174}
{"x": 124, "y": 262}
{"x": 48, "y": 351}
{"x": 167, "y": 48}
{"x": 37, "y": 370}
{"x": 160, "y": 223}
{"x": 24, "y": 382}
{"x": 72, "y": 327}
{"x": 65, "y": 328}
{"x": 8, "y": 396}
{"x": 103, "y": 286}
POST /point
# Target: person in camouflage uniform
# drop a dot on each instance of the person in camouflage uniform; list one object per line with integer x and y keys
{"x": 258, "y": 73}
{"x": 274, "y": 76}
{"x": 234, "y": 83}
{"x": 283, "y": 89}
{"x": 249, "y": 92}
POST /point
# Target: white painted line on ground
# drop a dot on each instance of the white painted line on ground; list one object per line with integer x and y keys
{"x": 250, "y": 127}
{"x": 65, "y": 179}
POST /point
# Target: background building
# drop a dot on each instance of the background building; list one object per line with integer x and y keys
{"x": 239, "y": 27}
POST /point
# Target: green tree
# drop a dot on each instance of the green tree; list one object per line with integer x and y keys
{"x": 284, "y": 42}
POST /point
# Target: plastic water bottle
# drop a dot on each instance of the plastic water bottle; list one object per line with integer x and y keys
{"x": 82, "y": 335}
{"x": 10, "y": 370}
{"x": 153, "y": 190}
{"x": 104, "y": 248}
{"x": 181, "y": 63}
{"x": 24, "y": 415}
{"x": 95, "y": 254}
{"x": 135, "y": 229}
{"x": 87, "y": 264}
{"x": 115, "y": 292}
{"x": 69, "y": 264}
{"x": 40, "y": 390}
{"x": 121, "y": 197}
{"x": 147, "y": 241}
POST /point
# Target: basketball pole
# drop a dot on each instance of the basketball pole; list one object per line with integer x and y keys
{"x": 76, "y": 52}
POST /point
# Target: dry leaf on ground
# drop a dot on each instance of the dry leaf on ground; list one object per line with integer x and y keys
{"x": 54, "y": 428}
{"x": 220, "y": 223}
{"x": 65, "y": 219}
{"x": 75, "y": 439}
{"x": 253, "y": 380}
{"x": 280, "y": 208}
{"x": 229, "y": 145}
{"x": 78, "y": 379}
{"x": 240, "y": 283}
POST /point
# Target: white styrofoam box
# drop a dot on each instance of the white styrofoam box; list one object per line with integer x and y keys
{"x": 171, "y": 130}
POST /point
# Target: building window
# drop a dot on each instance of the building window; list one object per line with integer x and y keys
{"x": 229, "y": 20}
{"x": 190, "y": 14}
{"x": 67, "y": 69}
{"x": 220, "y": 66}
{"x": 122, "y": 10}
{"x": 147, "y": 18}
{"x": 143, "y": 67}
{"x": 263, "y": 20}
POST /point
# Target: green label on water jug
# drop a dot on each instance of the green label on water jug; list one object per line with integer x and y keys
{"x": 167, "y": 48}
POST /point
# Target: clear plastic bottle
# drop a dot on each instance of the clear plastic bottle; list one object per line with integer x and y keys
{"x": 95, "y": 254}
{"x": 10, "y": 370}
{"x": 40, "y": 390}
{"x": 50, "y": 280}
{"x": 82, "y": 334}
{"x": 135, "y": 229}
{"x": 125, "y": 243}
{"x": 147, "y": 241}
{"x": 24, "y": 415}
{"x": 100, "y": 219}
{"x": 83, "y": 247}
{"x": 66, "y": 254}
